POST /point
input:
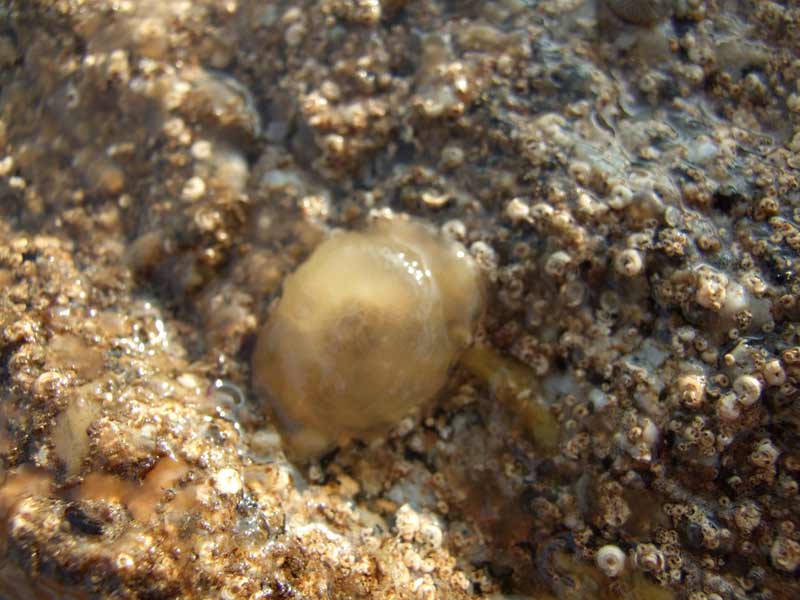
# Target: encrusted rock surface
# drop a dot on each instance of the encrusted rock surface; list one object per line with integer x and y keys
{"x": 626, "y": 424}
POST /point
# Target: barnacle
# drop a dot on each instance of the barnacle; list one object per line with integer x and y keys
{"x": 610, "y": 560}
{"x": 365, "y": 332}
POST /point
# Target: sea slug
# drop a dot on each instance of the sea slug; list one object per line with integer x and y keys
{"x": 365, "y": 332}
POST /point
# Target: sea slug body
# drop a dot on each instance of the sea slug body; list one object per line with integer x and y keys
{"x": 365, "y": 332}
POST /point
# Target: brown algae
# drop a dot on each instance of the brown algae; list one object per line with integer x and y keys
{"x": 365, "y": 332}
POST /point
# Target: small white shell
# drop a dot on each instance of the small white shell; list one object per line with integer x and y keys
{"x": 610, "y": 560}
{"x": 727, "y": 408}
{"x": 748, "y": 389}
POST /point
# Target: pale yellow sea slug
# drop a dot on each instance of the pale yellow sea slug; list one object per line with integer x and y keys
{"x": 365, "y": 332}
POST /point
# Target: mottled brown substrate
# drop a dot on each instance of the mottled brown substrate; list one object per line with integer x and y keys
{"x": 627, "y": 424}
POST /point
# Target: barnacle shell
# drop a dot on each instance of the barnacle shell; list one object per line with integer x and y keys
{"x": 640, "y": 12}
{"x": 365, "y": 332}
{"x": 610, "y": 560}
